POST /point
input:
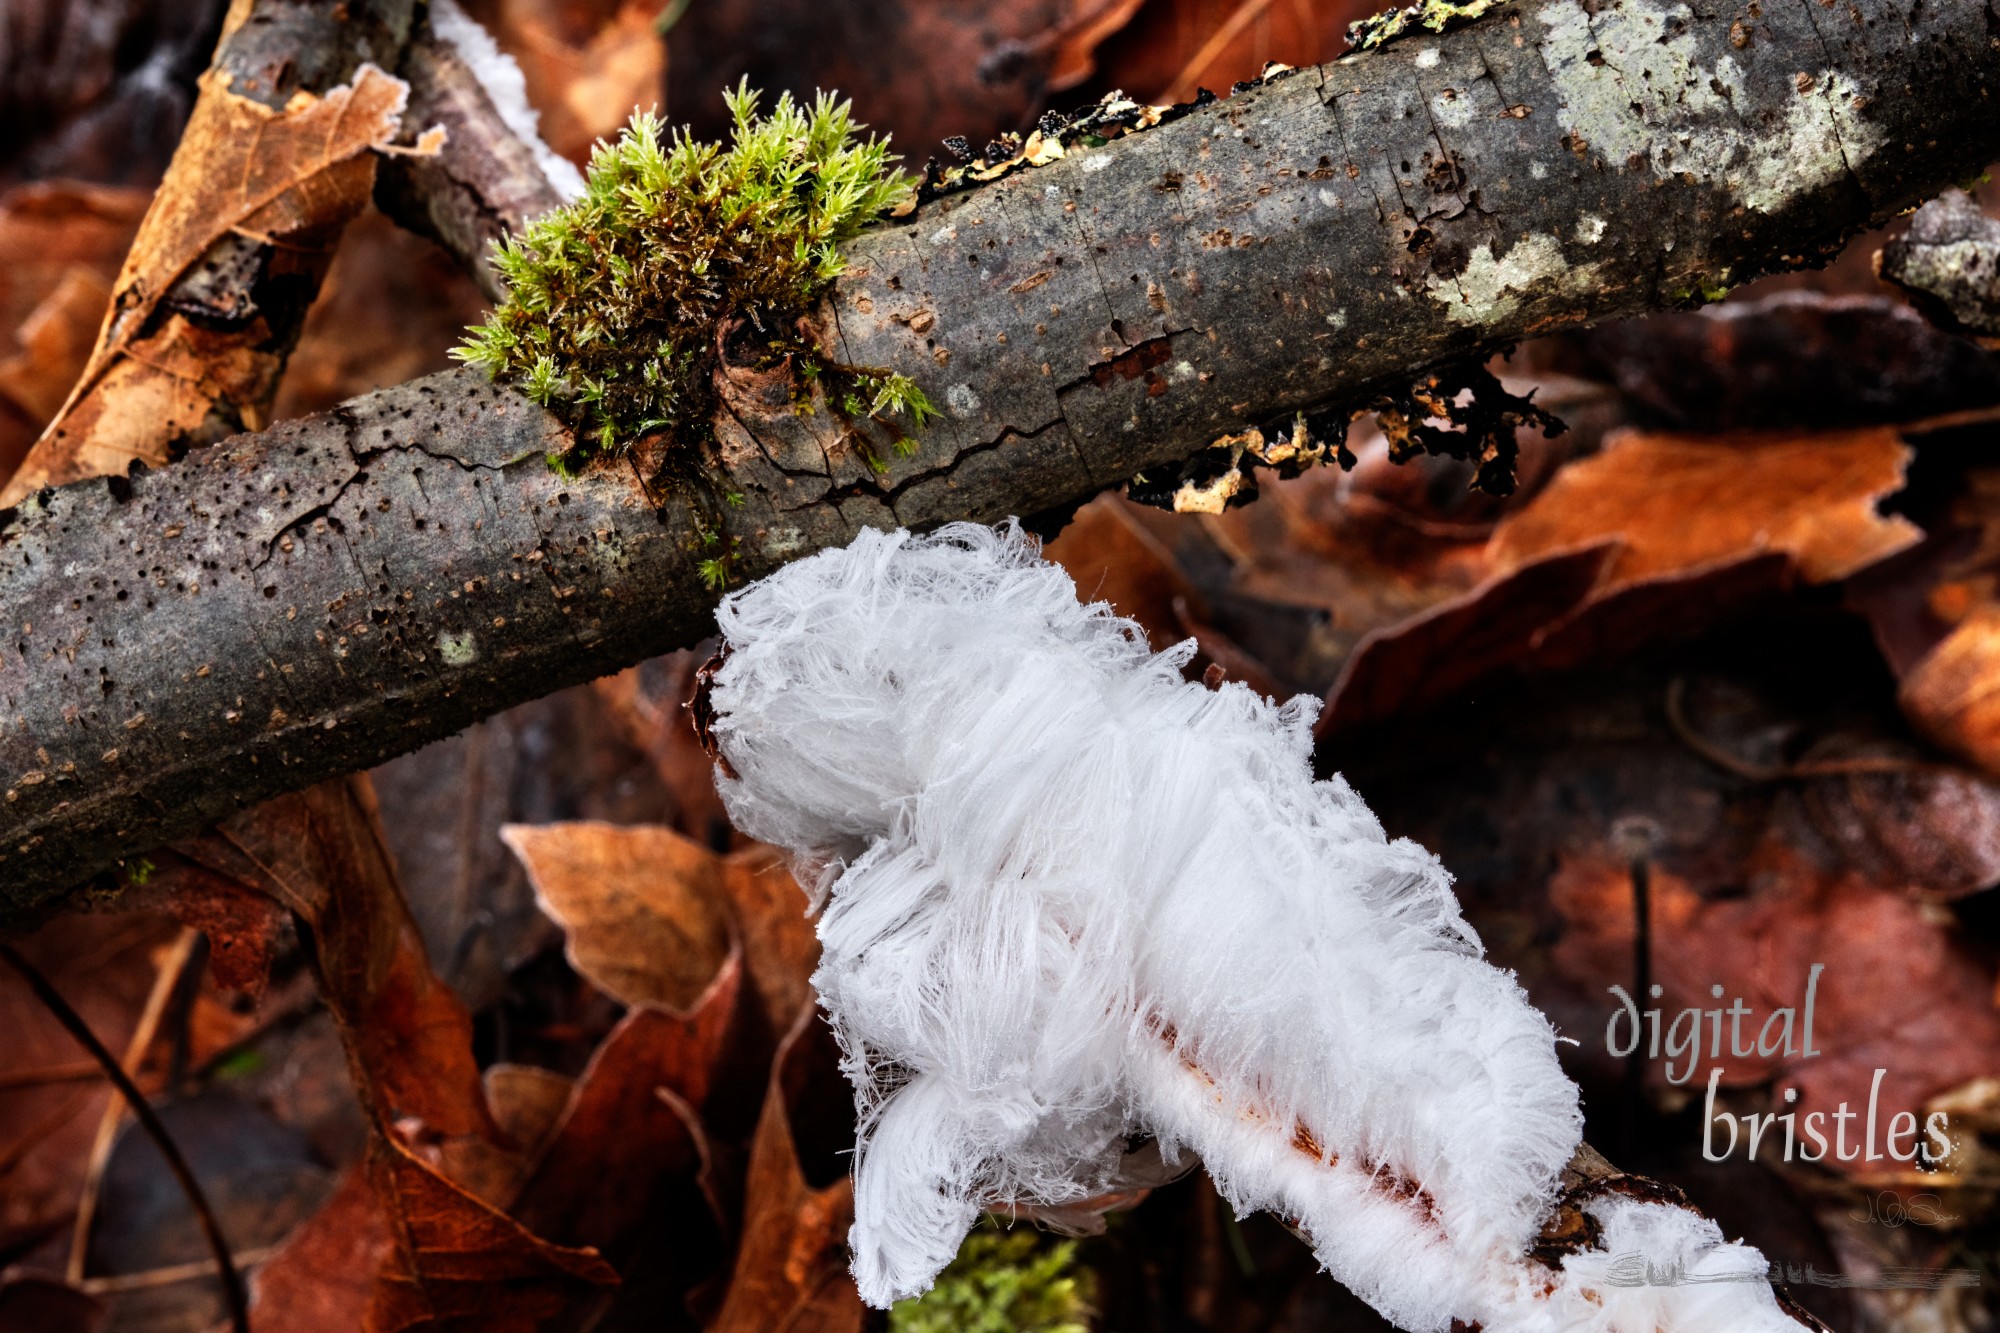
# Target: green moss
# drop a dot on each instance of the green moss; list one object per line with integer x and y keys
{"x": 620, "y": 304}
{"x": 1002, "y": 1282}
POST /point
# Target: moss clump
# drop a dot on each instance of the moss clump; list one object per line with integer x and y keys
{"x": 1001, "y": 1282}
{"x": 620, "y": 304}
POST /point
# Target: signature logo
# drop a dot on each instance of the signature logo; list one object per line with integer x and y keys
{"x": 1890, "y": 1209}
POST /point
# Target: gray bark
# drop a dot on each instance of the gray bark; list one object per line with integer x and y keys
{"x": 485, "y": 183}
{"x": 316, "y": 598}
{"x": 1949, "y": 263}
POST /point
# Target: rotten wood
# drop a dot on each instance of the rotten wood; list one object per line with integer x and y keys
{"x": 318, "y": 597}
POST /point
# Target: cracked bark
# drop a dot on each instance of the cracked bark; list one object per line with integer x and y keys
{"x": 313, "y": 599}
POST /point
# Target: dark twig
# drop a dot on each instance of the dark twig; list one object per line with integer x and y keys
{"x": 1860, "y": 765}
{"x": 142, "y": 1110}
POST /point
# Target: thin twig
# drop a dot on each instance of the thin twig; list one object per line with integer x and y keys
{"x": 1182, "y": 88}
{"x": 113, "y": 1283}
{"x": 1860, "y": 765}
{"x": 81, "y": 1071}
{"x": 52, "y": 1000}
{"x": 165, "y": 980}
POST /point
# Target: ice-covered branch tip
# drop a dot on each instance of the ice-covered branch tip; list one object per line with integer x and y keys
{"x": 621, "y": 304}
{"x": 1075, "y": 903}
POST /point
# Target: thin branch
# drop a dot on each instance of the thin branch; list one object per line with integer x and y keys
{"x": 1218, "y": 41}
{"x": 52, "y": 1000}
{"x": 1859, "y": 766}
{"x": 165, "y": 981}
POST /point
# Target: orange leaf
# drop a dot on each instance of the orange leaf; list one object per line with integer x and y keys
{"x": 1953, "y": 692}
{"x": 299, "y": 172}
{"x": 642, "y": 906}
{"x": 1680, "y": 504}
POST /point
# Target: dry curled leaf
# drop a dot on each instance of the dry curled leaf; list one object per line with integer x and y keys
{"x": 156, "y": 377}
{"x": 687, "y": 901}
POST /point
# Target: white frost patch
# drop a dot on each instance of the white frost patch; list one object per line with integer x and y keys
{"x": 458, "y": 650}
{"x": 944, "y": 235}
{"x": 1590, "y": 229}
{"x": 962, "y": 401}
{"x": 1650, "y": 99}
{"x": 502, "y": 79}
{"x": 1329, "y": 198}
{"x": 1096, "y": 162}
{"x": 1537, "y": 171}
{"x": 1338, "y": 318}
{"x": 1181, "y": 372}
{"x": 1492, "y": 289}
{"x": 1427, "y": 58}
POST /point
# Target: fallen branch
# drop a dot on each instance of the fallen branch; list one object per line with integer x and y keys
{"x": 318, "y": 597}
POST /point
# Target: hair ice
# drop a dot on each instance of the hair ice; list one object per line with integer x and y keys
{"x": 1074, "y": 901}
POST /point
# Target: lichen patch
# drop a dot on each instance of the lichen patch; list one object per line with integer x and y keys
{"x": 1491, "y": 288}
{"x": 1631, "y": 86}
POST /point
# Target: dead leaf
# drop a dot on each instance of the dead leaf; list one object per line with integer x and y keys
{"x": 791, "y": 1267}
{"x": 320, "y": 853}
{"x": 588, "y": 63}
{"x": 1115, "y": 560}
{"x": 1953, "y": 693}
{"x": 1792, "y": 360}
{"x": 1677, "y": 504}
{"x": 620, "y": 1141}
{"x": 780, "y": 946}
{"x": 1438, "y": 654}
{"x": 458, "y": 1263}
{"x": 242, "y": 926}
{"x": 321, "y": 1277}
{"x": 60, "y": 246}
{"x": 299, "y": 173}
{"x": 642, "y": 906}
